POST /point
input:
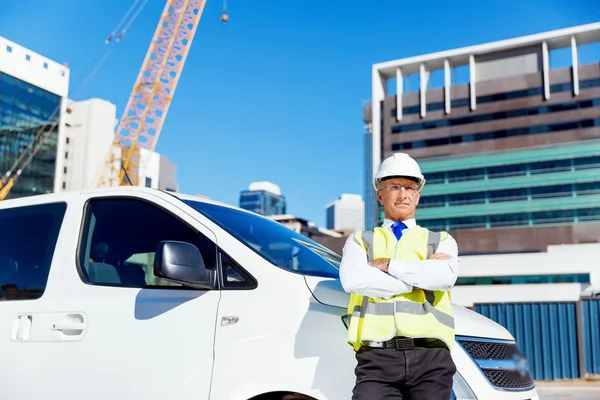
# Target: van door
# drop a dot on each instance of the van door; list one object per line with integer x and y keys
{"x": 28, "y": 237}
{"x": 122, "y": 332}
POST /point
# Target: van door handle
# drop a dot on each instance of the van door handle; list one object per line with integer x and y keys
{"x": 23, "y": 327}
{"x": 71, "y": 324}
{"x": 68, "y": 326}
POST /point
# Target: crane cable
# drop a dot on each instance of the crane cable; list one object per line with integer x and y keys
{"x": 42, "y": 129}
{"x": 114, "y": 31}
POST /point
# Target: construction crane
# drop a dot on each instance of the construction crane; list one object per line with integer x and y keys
{"x": 144, "y": 115}
{"x": 148, "y": 103}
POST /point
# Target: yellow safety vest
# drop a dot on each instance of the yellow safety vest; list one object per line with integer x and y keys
{"x": 419, "y": 314}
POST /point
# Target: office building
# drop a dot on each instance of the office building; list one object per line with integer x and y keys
{"x": 511, "y": 152}
{"x": 72, "y": 138}
{"x": 159, "y": 172}
{"x": 346, "y": 213}
{"x": 263, "y": 198}
{"x": 371, "y": 208}
{"x": 558, "y": 273}
{"x": 331, "y": 239}
{"x": 33, "y": 90}
{"x": 89, "y": 133}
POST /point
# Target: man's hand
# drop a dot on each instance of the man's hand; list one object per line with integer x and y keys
{"x": 381, "y": 263}
{"x": 440, "y": 256}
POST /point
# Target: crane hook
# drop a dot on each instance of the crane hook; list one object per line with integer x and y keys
{"x": 224, "y": 16}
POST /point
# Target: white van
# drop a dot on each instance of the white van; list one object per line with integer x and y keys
{"x": 135, "y": 293}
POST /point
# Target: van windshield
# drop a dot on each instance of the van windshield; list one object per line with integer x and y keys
{"x": 273, "y": 241}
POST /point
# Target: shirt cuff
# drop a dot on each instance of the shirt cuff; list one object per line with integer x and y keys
{"x": 401, "y": 269}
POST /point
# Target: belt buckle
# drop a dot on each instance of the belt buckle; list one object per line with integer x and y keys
{"x": 404, "y": 343}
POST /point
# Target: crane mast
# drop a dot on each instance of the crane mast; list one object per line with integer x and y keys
{"x": 144, "y": 115}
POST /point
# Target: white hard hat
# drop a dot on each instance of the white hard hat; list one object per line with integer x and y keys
{"x": 400, "y": 165}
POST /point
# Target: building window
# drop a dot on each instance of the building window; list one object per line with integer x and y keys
{"x": 45, "y": 65}
{"x": 34, "y": 104}
{"x": 66, "y": 155}
{"x": 27, "y": 57}
{"x": 65, "y": 170}
{"x": 9, "y": 49}
{"x": 67, "y": 140}
{"x": 64, "y": 185}
{"x": 523, "y": 279}
{"x": 149, "y": 182}
{"x": 499, "y": 134}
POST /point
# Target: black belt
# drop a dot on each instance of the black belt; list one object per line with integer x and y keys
{"x": 399, "y": 343}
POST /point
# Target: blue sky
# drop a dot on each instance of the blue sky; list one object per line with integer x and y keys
{"x": 276, "y": 94}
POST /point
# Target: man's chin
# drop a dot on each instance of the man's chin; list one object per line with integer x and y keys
{"x": 401, "y": 213}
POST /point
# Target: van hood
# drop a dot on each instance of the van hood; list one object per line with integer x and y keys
{"x": 467, "y": 322}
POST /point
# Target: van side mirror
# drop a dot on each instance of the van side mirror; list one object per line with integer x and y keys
{"x": 182, "y": 263}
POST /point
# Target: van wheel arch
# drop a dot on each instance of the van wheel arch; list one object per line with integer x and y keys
{"x": 282, "y": 396}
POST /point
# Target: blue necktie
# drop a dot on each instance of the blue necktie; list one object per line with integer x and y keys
{"x": 397, "y": 228}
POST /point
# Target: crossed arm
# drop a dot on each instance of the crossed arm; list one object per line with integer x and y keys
{"x": 385, "y": 277}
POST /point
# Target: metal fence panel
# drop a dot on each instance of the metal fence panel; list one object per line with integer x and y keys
{"x": 546, "y": 334}
{"x": 590, "y": 310}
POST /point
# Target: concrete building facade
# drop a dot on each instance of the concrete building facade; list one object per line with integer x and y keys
{"x": 160, "y": 172}
{"x": 559, "y": 273}
{"x": 89, "y": 132}
{"x": 512, "y": 156}
{"x": 346, "y": 213}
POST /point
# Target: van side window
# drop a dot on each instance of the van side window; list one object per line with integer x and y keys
{"x": 234, "y": 276}
{"x": 120, "y": 238}
{"x": 28, "y": 238}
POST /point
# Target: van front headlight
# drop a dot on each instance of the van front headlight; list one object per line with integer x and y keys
{"x": 461, "y": 389}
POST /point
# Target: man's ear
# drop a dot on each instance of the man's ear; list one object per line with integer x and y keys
{"x": 379, "y": 197}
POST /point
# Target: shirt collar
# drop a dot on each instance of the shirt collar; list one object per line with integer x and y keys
{"x": 387, "y": 223}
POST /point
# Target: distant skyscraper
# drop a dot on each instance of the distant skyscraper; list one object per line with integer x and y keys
{"x": 263, "y": 198}
{"x": 347, "y": 212}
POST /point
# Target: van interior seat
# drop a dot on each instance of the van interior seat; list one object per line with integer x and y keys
{"x": 98, "y": 270}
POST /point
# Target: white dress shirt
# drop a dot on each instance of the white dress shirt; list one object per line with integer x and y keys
{"x": 357, "y": 276}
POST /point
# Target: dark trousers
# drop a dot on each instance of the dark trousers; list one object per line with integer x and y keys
{"x": 419, "y": 373}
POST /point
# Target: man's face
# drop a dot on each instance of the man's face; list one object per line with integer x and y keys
{"x": 399, "y": 197}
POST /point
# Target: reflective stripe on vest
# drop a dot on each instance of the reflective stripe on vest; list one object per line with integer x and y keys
{"x": 419, "y": 314}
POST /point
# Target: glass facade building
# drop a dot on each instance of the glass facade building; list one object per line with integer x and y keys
{"x": 524, "y": 185}
{"x": 262, "y": 202}
{"x": 552, "y": 185}
{"x": 369, "y": 194}
{"x": 24, "y": 110}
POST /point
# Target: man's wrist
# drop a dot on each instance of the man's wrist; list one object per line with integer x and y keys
{"x": 398, "y": 267}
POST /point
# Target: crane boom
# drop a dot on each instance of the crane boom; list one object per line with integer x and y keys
{"x": 144, "y": 115}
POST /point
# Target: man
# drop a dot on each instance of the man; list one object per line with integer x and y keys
{"x": 401, "y": 323}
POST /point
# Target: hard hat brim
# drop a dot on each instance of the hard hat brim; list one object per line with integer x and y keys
{"x": 418, "y": 179}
